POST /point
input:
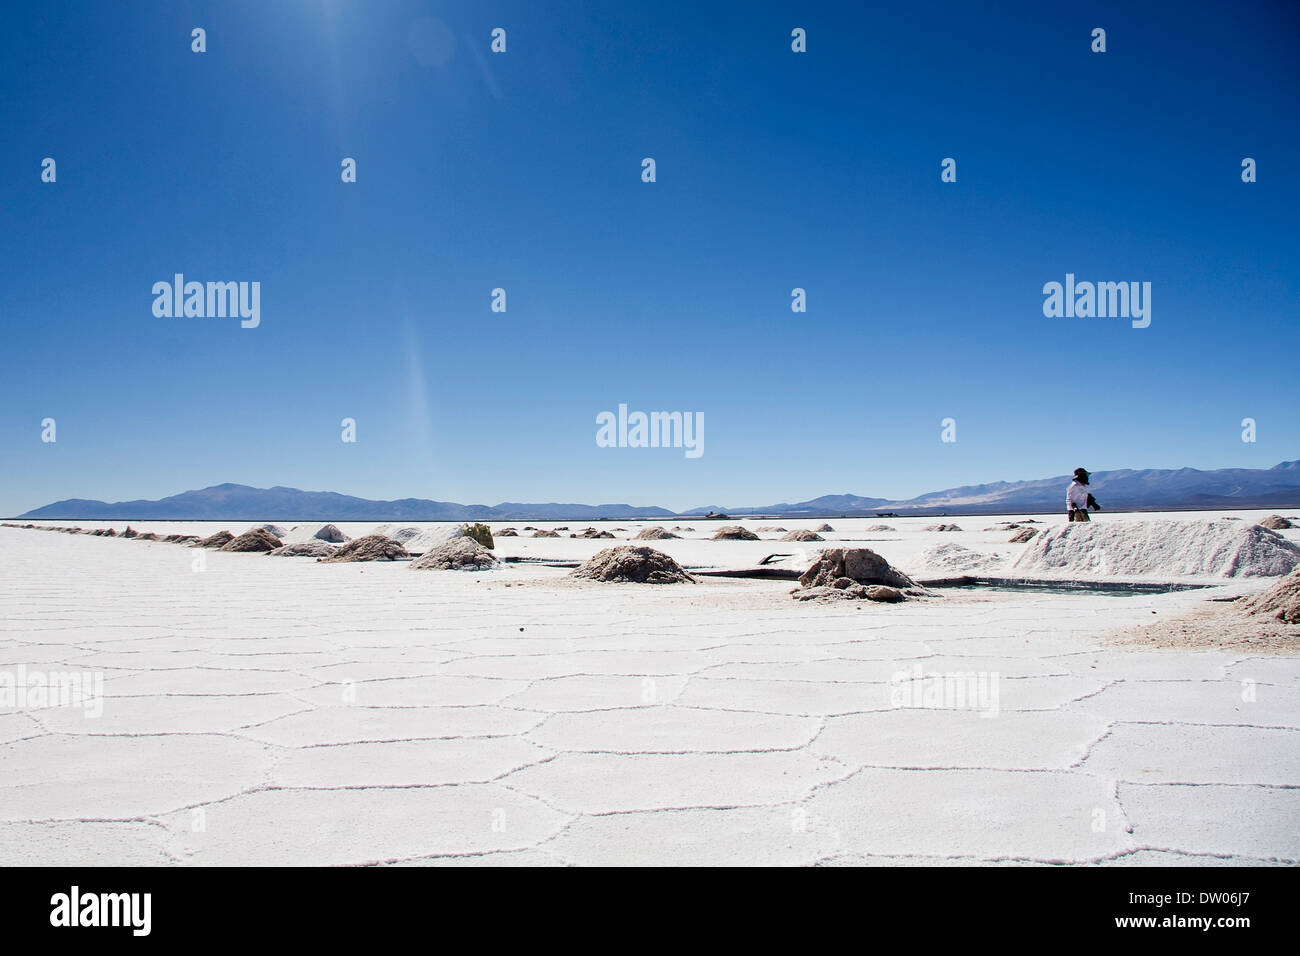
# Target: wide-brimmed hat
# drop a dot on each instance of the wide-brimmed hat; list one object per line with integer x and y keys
{"x": 1081, "y": 475}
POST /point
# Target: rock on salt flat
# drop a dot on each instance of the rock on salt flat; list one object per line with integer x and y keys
{"x": 373, "y": 547}
{"x": 1161, "y": 549}
{"x": 218, "y": 540}
{"x": 655, "y": 533}
{"x": 1275, "y": 523}
{"x": 632, "y": 564}
{"x": 860, "y": 565}
{"x": 458, "y": 554}
{"x": 254, "y": 539}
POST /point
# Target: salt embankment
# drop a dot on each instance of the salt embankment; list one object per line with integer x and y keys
{"x": 1158, "y": 549}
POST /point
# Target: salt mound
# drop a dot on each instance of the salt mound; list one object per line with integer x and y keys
{"x": 679, "y": 528}
{"x": 591, "y": 533}
{"x": 1275, "y": 523}
{"x": 654, "y": 534}
{"x": 823, "y": 528}
{"x": 734, "y": 533}
{"x": 311, "y": 548}
{"x": 802, "y": 534}
{"x": 1159, "y": 549}
{"x": 399, "y": 533}
{"x": 859, "y": 565}
{"x": 1021, "y": 536}
{"x": 254, "y": 539}
{"x": 306, "y": 532}
{"x": 506, "y": 533}
{"x": 637, "y": 565}
{"x": 545, "y": 534}
{"x": 880, "y": 527}
{"x": 943, "y": 527}
{"x": 458, "y": 554}
{"x": 1281, "y": 601}
{"x": 430, "y": 538}
{"x": 274, "y": 529}
{"x": 953, "y": 559}
{"x": 373, "y": 547}
{"x": 218, "y": 540}
{"x": 772, "y": 527}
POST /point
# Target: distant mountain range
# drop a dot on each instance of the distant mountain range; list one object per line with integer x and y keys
{"x": 1183, "y": 489}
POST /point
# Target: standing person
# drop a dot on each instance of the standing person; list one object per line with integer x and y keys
{"x": 1077, "y": 498}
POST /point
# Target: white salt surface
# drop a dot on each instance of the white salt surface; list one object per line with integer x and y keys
{"x": 952, "y": 559}
{"x": 360, "y": 713}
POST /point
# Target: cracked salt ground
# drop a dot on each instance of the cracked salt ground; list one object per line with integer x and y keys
{"x": 297, "y": 713}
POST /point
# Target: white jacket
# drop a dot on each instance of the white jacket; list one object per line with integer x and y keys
{"x": 1076, "y": 496}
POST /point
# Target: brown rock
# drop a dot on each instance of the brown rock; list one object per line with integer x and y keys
{"x": 1275, "y": 523}
{"x": 372, "y": 547}
{"x": 639, "y": 565}
{"x": 254, "y": 539}
{"x": 458, "y": 554}
{"x": 862, "y": 565}
{"x": 218, "y": 540}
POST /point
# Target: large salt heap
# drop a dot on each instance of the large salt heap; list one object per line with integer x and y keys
{"x": 1158, "y": 549}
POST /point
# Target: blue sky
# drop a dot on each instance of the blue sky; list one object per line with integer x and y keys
{"x": 521, "y": 170}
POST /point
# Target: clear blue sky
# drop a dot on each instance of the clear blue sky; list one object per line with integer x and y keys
{"x": 522, "y": 170}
